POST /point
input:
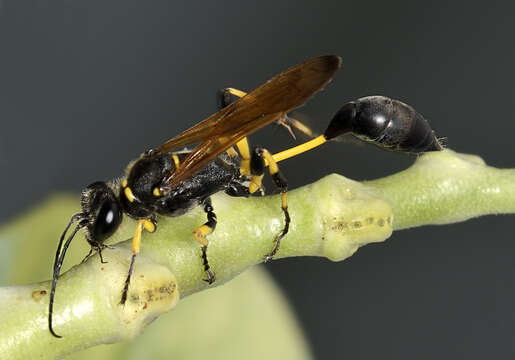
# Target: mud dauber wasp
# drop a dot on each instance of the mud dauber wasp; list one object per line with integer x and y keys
{"x": 167, "y": 182}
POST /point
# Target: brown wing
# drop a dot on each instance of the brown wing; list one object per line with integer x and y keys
{"x": 267, "y": 103}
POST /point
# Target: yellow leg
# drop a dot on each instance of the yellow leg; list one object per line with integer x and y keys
{"x": 271, "y": 162}
{"x": 243, "y": 148}
{"x": 143, "y": 224}
{"x": 283, "y": 155}
{"x": 255, "y": 183}
{"x": 200, "y": 234}
{"x": 236, "y": 92}
{"x": 288, "y": 153}
{"x": 231, "y": 152}
{"x": 285, "y": 121}
{"x": 176, "y": 160}
{"x": 136, "y": 240}
{"x": 207, "y": 228}
{"x": 279, "y": 181}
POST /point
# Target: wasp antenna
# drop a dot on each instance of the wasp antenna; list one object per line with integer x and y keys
{"x": 59, "y": 258}
{"x": 72, "y": 220}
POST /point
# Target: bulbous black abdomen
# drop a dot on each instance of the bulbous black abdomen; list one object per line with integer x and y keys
{"x": 388, "y": 123}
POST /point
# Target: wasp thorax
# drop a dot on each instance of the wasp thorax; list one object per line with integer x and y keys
{"x": 102, "y": 210}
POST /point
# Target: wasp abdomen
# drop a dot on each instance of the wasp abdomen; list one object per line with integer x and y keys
{"x": 388, "y": 123}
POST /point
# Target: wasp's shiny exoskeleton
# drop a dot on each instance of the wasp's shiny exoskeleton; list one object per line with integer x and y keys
{"x": 167, "y": 182}
{"x": 388, "y": 123}
{"x": 384, "y": 122}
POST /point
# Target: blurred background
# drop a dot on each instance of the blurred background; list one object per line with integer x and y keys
{"x": 86, "y": 86}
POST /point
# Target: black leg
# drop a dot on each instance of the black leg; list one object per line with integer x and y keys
{"x": 100, "y": 254}
{"x": 257, "y": 165}
{"x": 200, "y": 234}
{"x": 127, "y": 281}
{"x": 99, "y": 250}
{"x": 87, "y": 256}
{"x": 211, "y": 277}
{"x": 143, "y": 224}
{"x": 280, "y": 183}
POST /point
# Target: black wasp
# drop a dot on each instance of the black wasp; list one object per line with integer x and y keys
{"x": 167, "y": 182}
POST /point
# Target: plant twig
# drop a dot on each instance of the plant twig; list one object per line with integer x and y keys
{"x": 331, "y": 218}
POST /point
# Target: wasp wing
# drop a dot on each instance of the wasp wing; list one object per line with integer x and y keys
{"x": 267, "y": 103}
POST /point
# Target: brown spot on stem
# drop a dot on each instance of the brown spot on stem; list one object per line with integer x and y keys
{"x": 157, "y": 293}
{"x": 37, "y": 295}
{"x": 340, "y": 226}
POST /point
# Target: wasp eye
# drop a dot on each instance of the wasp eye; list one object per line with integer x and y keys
{"x": 108, "y": 219}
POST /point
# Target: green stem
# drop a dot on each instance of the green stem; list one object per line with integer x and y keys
{"x": 446, "y": 187}
{"x": 331, "y": 218}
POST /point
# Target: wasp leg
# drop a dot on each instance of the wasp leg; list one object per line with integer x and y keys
{"x": 176, "y": 160}
{"x": 244, "y": 150}
{"x": 88, "y": 256}
{"x": 238, "y": 187}
{"x": 99, "y": 250}
{"x": 245, "y": 162}
{"x": 260, "y": 158}
{"x": 150, "y": 226}
{"x": 231, "y": 152}
{"x": 299, "y": 149}
{"x": 200, "y": 234}
{"x": 227, "y": 96}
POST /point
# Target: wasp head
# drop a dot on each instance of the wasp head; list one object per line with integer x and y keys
{"x": 101, "y": 216}
{"x": 102, "y": 211}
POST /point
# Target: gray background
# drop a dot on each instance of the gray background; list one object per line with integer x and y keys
{"x": 85, "y": 86}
